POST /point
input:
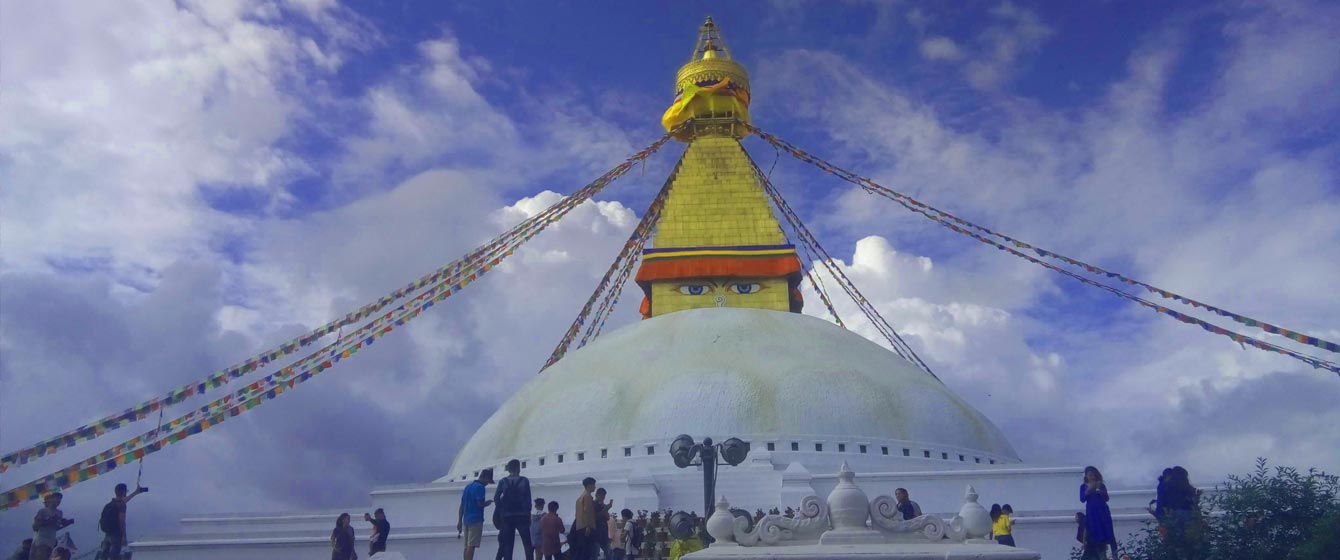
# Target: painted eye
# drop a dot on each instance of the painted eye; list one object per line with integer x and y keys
{"x": 693, "y": 289}
{"x": 746, "y": 288}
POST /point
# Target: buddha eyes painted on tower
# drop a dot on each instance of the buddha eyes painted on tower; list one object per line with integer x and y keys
{"x": 708, "y": 287}
{"x": 695, "y": 293}
{"x": 695, "y": 289}
{"x": 745, "y": 287}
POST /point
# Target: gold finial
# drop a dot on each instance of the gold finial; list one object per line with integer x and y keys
{"x": 710, "y": 44}
{"x": 711, "y": 60}
{"x": 710, "y": 86}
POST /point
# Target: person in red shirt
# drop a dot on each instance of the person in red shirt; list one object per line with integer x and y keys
{"x": 551, "y": 529}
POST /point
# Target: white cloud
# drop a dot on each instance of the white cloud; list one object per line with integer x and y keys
{"x": 1229, "y": 209}
{"x": 1016, "y": 33}
{"x": 969, "y": 345}
{"x": 123, "y": 119}
{"x": 114, "y": 142}
{"x": 940, "y": 48}
{"x": 115, "y": 123}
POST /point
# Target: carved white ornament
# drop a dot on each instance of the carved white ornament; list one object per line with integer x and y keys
{"x": 885, "y": 517}
{"x": 848, "y": 505}
{"x": 810, "y": 520}
{"x": 721, "y": 525}
{"x": 843, "y": 517}
{"x": 972, "y": 520}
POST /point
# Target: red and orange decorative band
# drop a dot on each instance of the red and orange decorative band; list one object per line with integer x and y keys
{"x": 755, "y": 261}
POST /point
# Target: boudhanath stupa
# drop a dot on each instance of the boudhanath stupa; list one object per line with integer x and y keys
{"x": 722, "y": 351}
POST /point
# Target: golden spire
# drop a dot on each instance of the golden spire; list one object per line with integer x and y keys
{"x": 712, "y": 86}
{"x": 717, "y": 243}
{"x": 709, "y": 42}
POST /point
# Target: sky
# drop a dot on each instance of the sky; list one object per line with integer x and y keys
{"x": 184, "y": 184}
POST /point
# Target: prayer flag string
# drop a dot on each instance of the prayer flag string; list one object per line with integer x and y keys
{"x": 954, "y": 223}
{"x": 611, "y": 284}
{"x": 217, "y": 412}
{"x": 465, "y": 269}
{"x": 816, "y": 282}
{"x": 808, "y": 239}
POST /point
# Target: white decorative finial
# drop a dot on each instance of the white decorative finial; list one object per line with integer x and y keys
{"x": 849, "y": 509}
{"x": 976, "y": 521}
{"x": 721, "y": 525}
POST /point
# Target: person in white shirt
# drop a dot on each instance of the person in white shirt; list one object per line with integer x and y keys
{"x": 628, "y": 531}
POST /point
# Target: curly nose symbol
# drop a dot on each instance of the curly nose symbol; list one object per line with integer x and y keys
{"x": 721, "y": 301}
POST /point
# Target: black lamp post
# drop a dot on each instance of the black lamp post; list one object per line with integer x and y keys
{"x": 685, "y": 451}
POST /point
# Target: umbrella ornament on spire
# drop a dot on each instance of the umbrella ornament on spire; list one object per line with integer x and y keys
{"x": 711, "y": 85}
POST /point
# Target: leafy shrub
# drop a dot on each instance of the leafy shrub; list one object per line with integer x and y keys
{"x": 1284, "y": 515}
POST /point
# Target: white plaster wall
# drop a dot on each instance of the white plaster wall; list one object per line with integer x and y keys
{"x": 424, "y": 516}
{"x": 1052, "y": 536}
{"x": 1035, "y": 489}
{"x": 434, "y": 544}
{"x": 259, "y": 523}
{"x": 741, "y": 372}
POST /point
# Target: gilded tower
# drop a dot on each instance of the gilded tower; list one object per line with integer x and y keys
{"x": 717, "y": 243}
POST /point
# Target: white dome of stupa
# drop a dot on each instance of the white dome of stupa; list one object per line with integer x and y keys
{"x": 755, "y": 374}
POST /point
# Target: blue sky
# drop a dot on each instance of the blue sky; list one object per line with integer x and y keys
{"x": 186, "y": 183}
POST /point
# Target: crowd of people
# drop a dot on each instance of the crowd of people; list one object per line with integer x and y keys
{"x": 596, "y": 531}
{"x": 342, "y": 538}
{"x": 45, "y": 543}
{"x": 599, "y": 533}
{"x": 1175, "y": 507}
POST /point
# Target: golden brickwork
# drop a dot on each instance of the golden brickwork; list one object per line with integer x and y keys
{"x": 716, "y": 200}
{"x": 767, "y": 293}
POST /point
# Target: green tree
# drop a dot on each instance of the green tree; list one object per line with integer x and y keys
{"x": 1282, "y": 514}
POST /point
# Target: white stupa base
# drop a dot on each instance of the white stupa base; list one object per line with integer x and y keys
{"x": 882, "y": 551}
{"x": 853, "y": 537}
{"x": 424, "y": 524}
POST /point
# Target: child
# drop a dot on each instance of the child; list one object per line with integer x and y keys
{"x": 551, "y": 528}
{"x": 1003, "y": 527}
{"x": 535, "y": 517}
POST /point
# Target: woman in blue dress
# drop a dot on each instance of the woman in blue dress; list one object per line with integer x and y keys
{"x": 1097, "y": 516}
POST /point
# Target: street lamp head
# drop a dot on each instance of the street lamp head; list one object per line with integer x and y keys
{"x": 683, "y": 450}
{"x": 734, "y": 451}
{"x": 682, "y": 525}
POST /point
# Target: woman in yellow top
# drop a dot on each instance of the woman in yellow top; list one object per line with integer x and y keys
{"x": 1001, "y": 524}
{"x": 680, "y": 547}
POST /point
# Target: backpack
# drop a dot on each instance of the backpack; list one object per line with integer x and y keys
{"x": 513, "y": 498}
{"x": 110, "y": 521}
{"x": 636, "y": 541}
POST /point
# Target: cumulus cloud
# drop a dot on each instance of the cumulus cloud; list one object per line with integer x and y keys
{"x": 1192, "y": 201}
{"x": 115, "y": 123}
{"x": 124, "y": 274}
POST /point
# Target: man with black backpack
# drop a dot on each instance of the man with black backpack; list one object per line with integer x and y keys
{"x": 113, "y": 523}
{"x": 512, "y": 503}
{"x": 632, "y": 535}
